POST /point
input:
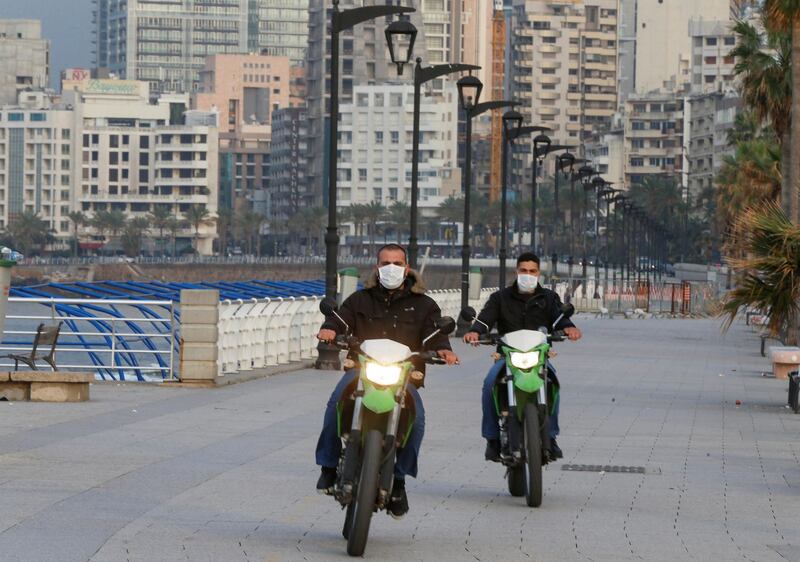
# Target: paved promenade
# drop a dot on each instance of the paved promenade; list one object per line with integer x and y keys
{"x": 151, "y": 474}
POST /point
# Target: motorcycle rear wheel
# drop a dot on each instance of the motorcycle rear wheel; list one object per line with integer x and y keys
{"x": 366, "y": 494}
{"x": 533, "y": 452}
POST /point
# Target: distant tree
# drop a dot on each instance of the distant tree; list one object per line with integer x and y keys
{"x": 28, "y": 233}
{"x": 78, "y": 220}
{"x": 197, "y": 216}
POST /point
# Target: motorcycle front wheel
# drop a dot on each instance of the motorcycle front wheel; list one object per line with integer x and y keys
{"x": 533, "y": 452}
{"x": 366, "y": 494}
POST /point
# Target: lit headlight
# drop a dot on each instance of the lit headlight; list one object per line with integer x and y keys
{"x": 524, "y": 360}
{"x": 384, "y": 375}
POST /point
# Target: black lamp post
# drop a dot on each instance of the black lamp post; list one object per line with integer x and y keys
{"x": 575, "y": 175}
{"x": 598, "y": 184}
{"x": 469, "y": 93}
{"x": 341, "y": 20}
{"x": 512, "y": 122}
{"x": 564, "y": 165}
{"x": 607, "y": 194}
{"x": 585, "y": 172}
{"x": 422, "y": 75}
{"x": 541, "y": 145}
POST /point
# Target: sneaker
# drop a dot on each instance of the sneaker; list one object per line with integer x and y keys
{"x": 555, "y": 450}
{"x": 492, "y": 452}
{"x": 327, "y": 481}
{"x": 398, "y": 502}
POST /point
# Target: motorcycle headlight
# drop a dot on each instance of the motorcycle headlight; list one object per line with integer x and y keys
{"x": 524, "y": 360}
{"x": 384, "y": 375}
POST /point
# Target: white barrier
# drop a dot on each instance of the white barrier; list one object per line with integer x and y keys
{"x": 260, "y": 333}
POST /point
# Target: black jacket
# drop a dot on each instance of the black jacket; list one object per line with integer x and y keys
{"x": 510, "y": 310}
{"x": 407, "y": 315}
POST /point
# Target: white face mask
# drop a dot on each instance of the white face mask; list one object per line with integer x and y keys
{"x": 392, "y": 276}
{"x": 527, "y": 283}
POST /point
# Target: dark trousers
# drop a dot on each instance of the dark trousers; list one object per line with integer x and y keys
{"x": 329, "y": 445}
{"x": 489, "y": 423}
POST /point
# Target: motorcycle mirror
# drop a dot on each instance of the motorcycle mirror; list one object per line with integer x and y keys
{"x": 567, "y": 310}
{"x": 327, "y": 306}
{"x": 468, "y": 314}
{"x": 446, "y": 325}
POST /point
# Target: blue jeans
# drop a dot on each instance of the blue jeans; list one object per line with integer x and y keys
{"x": 329, "y": 445}
{"x": 489, "y": 423}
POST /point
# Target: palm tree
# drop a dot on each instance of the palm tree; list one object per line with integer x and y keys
{"x": 763, "y": 64}
{"x": 224, "y": 221}
{"x": 770, "y": 275}
{"x": 197, "y": 216}
{"x": 398, "y": 216}
{"x": 248, "y": 225}
{"x": 159, "y": 218}
{"x": 374, "y": 212}
{"x": 173, "y": 225}
{"x": 451, "y": 210}
{"x": 111, "y": 222}
{"x": 78, "y": 219}
{"x": 358, "y": 214}
{"x": 27, "y": 232}
{"x": 783, "y": 16}
{"x": 132, "y": 236}
{"x": 315, "y": 220}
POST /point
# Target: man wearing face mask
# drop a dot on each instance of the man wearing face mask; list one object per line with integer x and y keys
{"x": 392, "y": 305}
{"x": 525, "y": 305}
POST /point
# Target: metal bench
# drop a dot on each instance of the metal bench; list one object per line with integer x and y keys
{"x": 45, "y": 336}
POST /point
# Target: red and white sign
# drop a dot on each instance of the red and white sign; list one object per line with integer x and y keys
{"x": 76, "y": 74}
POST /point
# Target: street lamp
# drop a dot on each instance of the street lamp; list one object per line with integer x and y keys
{"x": 512, "y": 123}
{"x": 585, "y": 173}
{"x": 543, "y": 142}
{"x": 340, "y": 21}
{"x": 400, "y": 37}
{"x": 565, "y": 164}
{"x": 422, "y": 75}
{"x": 469, "y": 93}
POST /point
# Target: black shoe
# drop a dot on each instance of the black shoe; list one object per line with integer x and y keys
{"x": 398, "y": 501}
{"x": 327, "y": 480}
{"x": 555, "y": 450}
{"x": 492, "y": 452}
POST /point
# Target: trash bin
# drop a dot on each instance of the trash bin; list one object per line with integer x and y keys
{"x": 348, "y": 283}
{"x": 6, "y": 263}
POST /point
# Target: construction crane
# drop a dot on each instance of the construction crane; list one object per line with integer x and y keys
{"x": 497, "y": 78}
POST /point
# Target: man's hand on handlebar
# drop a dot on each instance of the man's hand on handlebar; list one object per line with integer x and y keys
{"x": 573, "y": 334}
{"x": 449, "y": 357}
{"x": 472, "y": 338}
{"x": 326, "y": 335}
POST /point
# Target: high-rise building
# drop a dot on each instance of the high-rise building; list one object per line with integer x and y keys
{"x": 627, "y": 49}
{"x": 166, "y": 43}
{"x": 289, "y": 154}
{"x": 564, "y": 65}
{"x": 663, "y": 43}
{"x": 712, "y": 116}
{"x": 712, "y": 63}
{"x": 24, "y": 58}
{"x": 654, "y": 136}
{"x": 364, "y": 59}
{"x": 37, "y": 160}
{"x": 244, "y": 89}
{"x": 104, "y": 146}
{"x": 376, "y": 143}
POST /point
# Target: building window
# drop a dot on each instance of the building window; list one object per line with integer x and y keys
{"x": 730, "y": 40}
{"x": 16, "y": 116}
{"x": 378, "y": 137}
{"x": 638, "y": 126}
{"x": 637, "y": 162}
{"x": 711, "y": 41}
{"x": 38, "y": 117}
{"x": 395, "y": 137}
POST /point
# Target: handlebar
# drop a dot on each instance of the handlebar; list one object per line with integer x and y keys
{"x": 346, "y": 343}
{"x": 431, "y": 358}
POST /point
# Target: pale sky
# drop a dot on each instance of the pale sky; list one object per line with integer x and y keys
{"x": 66, "y": 23}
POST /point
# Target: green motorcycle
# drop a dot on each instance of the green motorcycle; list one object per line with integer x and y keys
{"x": 375, "y": 418}
{"x": 523, "y": 396}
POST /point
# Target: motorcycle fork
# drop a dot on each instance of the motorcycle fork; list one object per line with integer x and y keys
{"x": 513, "y": 425}
{"x": 544, "y": 419}
{"x": 390, "y": 447}
{"x": 350, "y": 451}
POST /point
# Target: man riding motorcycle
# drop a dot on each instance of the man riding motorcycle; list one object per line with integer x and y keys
{"x": 523, "y": 305}
{"x": 392, "y": 305}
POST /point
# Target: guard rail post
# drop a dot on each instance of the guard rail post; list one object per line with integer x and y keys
{"x": 5, "y": 289}
{"x": 199, "y": 336}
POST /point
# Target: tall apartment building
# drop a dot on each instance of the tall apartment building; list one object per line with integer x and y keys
{"x": 364, "y": 59}
{"x": 663, "y": 43}
{"x": 712, "y": 116}
{"x": 712, "y": 63}
{"x": 654, "y": 136}
{"x": 564, "y": 64}
{"x": 37, "y": 151}
{"x": 24, "y": 58}
{"x": 289, "y": 158}
{"x": 376, "y": 144}
{"x": 606, "y": 152}
{"x": 244, "y": 89}
{"x": 166, "y": 42}
{"x": 104, "y": 146}
{"x": 627, "y": 49}
{"x": 456, "y": 31}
